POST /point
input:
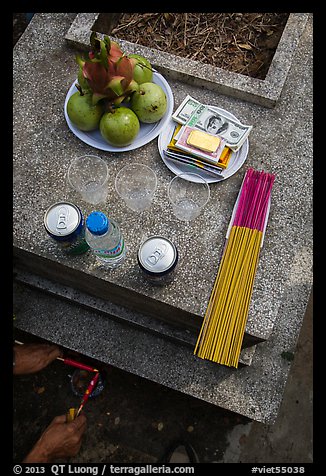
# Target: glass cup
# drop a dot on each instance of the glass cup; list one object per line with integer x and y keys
{"x": 188, "y": 194}
{"x": 136, "y": 184}
{"x": 88, "y": 176}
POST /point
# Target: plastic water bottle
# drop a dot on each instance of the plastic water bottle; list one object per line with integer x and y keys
{"x": 105, "y": 239}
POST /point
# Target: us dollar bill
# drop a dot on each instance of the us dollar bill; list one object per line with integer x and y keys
{"x": 185, "y": 110}
{"x": 209, "y": 120}
{"x": 195, "y": 114}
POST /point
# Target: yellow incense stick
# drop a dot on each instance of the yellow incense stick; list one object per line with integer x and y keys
{"x": 221, "y": 335}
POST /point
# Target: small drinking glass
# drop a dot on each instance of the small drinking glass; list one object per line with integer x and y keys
{"x": 188, "y": 194}
{"x": 88, "y": 176}
{"x": 136, "y": 184}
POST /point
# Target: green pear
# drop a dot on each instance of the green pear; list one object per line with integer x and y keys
{"x": 149, "y": 103}
{"x": 119, "y": 127}
{"x": 82, "y": 113}
{"x": 143, "y": 72}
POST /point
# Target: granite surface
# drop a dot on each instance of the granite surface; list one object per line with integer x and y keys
{"x": 44, "y": 69}
{"x": 280, "y": 143}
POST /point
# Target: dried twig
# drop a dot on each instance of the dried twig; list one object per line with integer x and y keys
{"x": 185, "y": 32}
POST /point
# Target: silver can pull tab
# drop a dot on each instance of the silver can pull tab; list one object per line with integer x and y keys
{"x": 157, "y": 254}
{"x": 62, "y": 218}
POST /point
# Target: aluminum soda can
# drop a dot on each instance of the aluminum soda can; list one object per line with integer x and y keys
{"x": 65, "y": 223}
{"x": 157, "y": 257}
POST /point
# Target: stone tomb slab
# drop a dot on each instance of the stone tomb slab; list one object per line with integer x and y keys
{"x": 44, "y": 69}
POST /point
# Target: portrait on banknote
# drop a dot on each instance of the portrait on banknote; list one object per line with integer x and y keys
{"x": 215, "y": 124}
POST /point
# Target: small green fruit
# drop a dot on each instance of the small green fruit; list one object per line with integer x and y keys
{"x": 119, "y": 127}
{"x": 82, "y": 113}
{"x": 143, "y": 70}
{"x": 149, "y": 103}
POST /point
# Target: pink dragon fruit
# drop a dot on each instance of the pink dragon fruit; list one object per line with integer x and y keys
{"x": 107, "y": 73}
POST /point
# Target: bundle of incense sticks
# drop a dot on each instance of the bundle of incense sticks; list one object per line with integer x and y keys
{"x": 221, "y": 335}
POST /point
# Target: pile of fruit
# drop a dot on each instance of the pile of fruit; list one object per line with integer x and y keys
{"x": 115, "y": 93}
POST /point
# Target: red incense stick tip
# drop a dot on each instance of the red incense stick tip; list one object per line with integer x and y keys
{"x": 88, "y": 392}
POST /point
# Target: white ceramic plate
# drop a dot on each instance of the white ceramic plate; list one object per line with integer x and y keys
{"x": 147, "y": 132}
{"x": 236, "y": 161}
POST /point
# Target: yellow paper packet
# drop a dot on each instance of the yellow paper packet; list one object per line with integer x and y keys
{"x": 203, "y": 141}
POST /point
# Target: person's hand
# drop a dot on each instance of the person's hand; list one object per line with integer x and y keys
{"x": 31, "y": 358}
{"x": 59, "y": 440}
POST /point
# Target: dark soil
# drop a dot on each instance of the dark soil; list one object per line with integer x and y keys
{"x": 239, "y": 42}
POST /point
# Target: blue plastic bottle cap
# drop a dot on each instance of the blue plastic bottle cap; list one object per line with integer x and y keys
{"x": 97, "y": 223}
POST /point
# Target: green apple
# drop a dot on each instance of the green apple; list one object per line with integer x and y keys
{"x": 149, "y": 102}
{"x": 119, "y": 127}
{"x": 82, "y": 113}
{"x": 143, "y": 70}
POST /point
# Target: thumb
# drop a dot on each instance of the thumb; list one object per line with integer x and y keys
{"x": 60, "y": 419}
{"x": 79, "y": 422}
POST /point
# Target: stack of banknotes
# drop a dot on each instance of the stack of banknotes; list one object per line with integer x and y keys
{"x": 204, "y": 137}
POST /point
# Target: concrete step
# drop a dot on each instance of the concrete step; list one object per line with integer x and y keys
{"x": 122, "y": 314}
